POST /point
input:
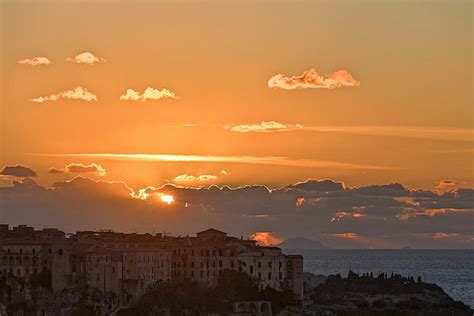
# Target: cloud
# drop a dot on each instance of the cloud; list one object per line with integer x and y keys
{"x": 415, "y": 132}
{"x": 440, "y": 235}
{"x": 149, "y": 94}
{"x": 312, "y": 79}
{"x": 55, "y": 170}
{"x": 270, "y": 126}
{"x": 78, "y": 93}
{"x": 344, "y": 217}
{"x": 189, "y": 179}
{"x": 259, "y": 160}
{"x": 35, "y": 61}
{"x": 340, "y": 215}
{"x": 266, "y": 238}
{"x": 325, "y": 185}
{"x": 17, "y": 171}
{"x": 86, "y": 58}
{"x": 448, "y": 184}
{"x": 80, "y": 168}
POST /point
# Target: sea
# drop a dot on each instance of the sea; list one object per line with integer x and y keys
{"x": 453, "y": 270}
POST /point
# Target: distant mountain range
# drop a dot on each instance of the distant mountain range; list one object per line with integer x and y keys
{"x": 300, "y": 243}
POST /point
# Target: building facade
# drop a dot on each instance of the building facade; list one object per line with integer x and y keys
{"x": 128, "y": 264}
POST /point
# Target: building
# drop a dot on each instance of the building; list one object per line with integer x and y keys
{"x": 294, "y": 274}
{"x": 127, "y": 264}
{"x": 25, "y": 251}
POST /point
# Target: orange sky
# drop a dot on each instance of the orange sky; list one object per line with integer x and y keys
{"x": 404, "y": 116}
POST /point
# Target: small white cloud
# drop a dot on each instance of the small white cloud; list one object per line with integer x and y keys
{"x": 224, "y": 172}
{"x": 78, "y": 93}
{"x": 312, "y": 79}
{"x": 149, "y": 94}
{"x": 86, "y": 58}
{"x": 35, "y": 61}
{"x": 271, "y": 126}
{"x": 188, "y": 178}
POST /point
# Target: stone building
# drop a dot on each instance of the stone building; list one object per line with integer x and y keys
{"x": 294, "y": 274}
{"x": 267, "y": 264}
{"x": 124, "y": 264}
{"x": 204, "y": 257}
{"x": 25, "y": 251}
{"x": 127, "y": 264}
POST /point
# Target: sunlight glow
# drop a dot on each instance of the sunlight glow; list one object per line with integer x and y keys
{"x": 167, "y": 198}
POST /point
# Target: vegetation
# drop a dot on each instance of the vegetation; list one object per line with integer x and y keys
{"x": 383, "y": 294}
{"x": 188, "y": 296}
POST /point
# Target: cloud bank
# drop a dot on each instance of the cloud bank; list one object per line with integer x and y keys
{"x": 376, "y": 216}
{"x": 35, "y": 61}
{"x": 149, "y": 94}
{"x": 314, "y": 80}
{"x": 86, "y": 58}
{"x": 258, "y": 160}
{"x": 78, "y": 93}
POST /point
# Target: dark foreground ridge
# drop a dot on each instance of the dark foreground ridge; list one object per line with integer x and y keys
{"x": 354, "y": 295}
{"x": 380, "y": 295}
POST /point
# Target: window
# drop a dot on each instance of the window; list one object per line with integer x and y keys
{"x": 220, "y": 263}
{"x": 259, "y": 264}
{"x": 260, "y": 275}
{"x": 232, "y": 263}
{"x": 269, "y": 264}
{"x": 269, "y": 275}
{"x": 60, "y": 251}
{"x": 280, "y": 276}
{"x": 251, "y": 269}
{"x": 280, "y": 264}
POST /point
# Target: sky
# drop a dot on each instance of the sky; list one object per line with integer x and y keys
{"x": 130, "y": 96}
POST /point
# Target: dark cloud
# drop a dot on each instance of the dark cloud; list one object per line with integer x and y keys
{"x": 81, "y": 168}
{"x": 318, "y": 185}
{"x": 393, "y": 189}
{"x": 55, "y": 170}
{"x": 373, "y": 216}
{"x": 17, "y": 171}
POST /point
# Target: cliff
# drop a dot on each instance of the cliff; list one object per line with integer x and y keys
{"x": 382, "y": 295}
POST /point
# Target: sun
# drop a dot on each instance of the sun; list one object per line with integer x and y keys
{"x": 167, "y": 198}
